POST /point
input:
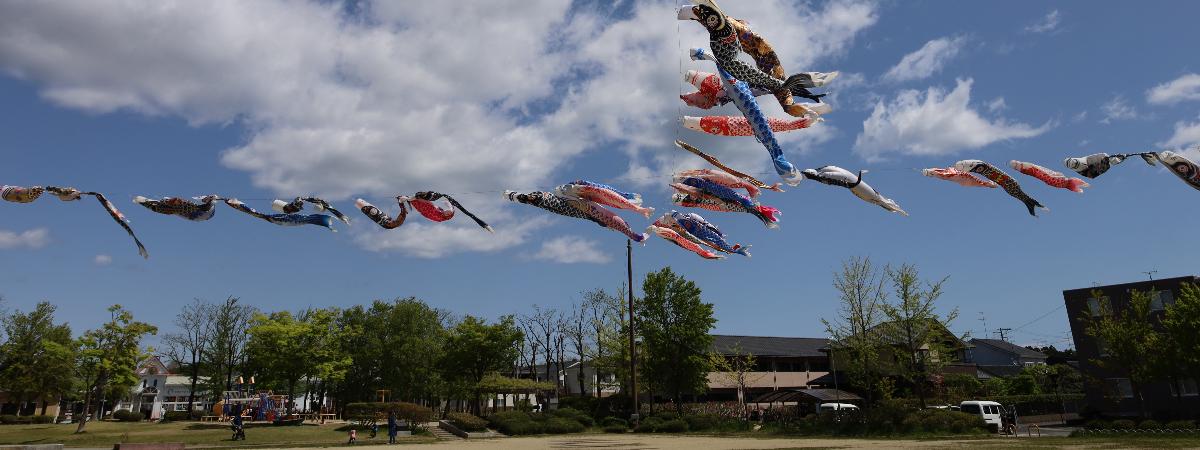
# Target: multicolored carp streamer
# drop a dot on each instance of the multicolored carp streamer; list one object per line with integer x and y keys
{"x": 1003, "y": 179}
{"x": 709, "y": 93}
{"x": 706, "y": 233}
{"x": 297, "y": 205}
{"x": 767, "y": 61}
{"x": 663, "y": 229}
{"x": 1182, "y": 167}
{"x": 758, "y": 122}
{"x": 604, "y": 195}
{"x": 1050, "y": 177}
{"x": 837, "y": 176}
{"x": 962, "y": 178}
{"x": 716, "y": 162}
{"x": 120, "y": 219}
{"x": 286, "y": 220}
{"x": 422, "y": 202}
{"x": 577, "y": 208}
{"x": 739, "y": 126}
{"x": 723, "y": 39}
{"x": 705, "y": 194}
{"x": 723, "y": 179}
{"x": 175, "y": 206}
{"x": 1096, "y": 164}
{"x": 380, "y": 217}
{"x": 20, "y": 194}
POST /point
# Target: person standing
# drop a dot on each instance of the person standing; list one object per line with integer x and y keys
{"x": 392, "y": 428}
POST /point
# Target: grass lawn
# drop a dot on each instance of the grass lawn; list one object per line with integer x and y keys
{"x": 193, "y": 434}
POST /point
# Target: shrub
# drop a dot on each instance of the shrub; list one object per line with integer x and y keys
{"x": 1149, "y": 424}
{"x": 585, "y": 404}
{"x": 1097, "y": 424}
{"x": 667, "y": 415}
{"x": 1180, "y": 425}
{"x": 170, "y": 416}
{"x": 8, "y": 419}
{"x": 368, "y": 411}
{"x": 672, "y": 426}
{"x": 514, "y": 423}
{"x": 576, "y": 415}
{"x": 701, "y": 422}
{"x": 616, "y": 428}
{"x": 43, "y": 419}
{"x": 467, "y": 421}
{"x": 649, "y": 425}
{"x": 1122, "y": 424}
{"x": 123, "y": 415}
{"x": 560, "y": 425}
{"x": 610, "y": 421}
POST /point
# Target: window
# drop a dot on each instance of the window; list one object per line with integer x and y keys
{"x": 970, "y": 409}
{"x": 1097, "y": 305}
{"x": 1101, "y": 347}
{"x": 1161, "y": 300}
{"x": 1188, "y": 387}
{"x": 1119, "y": 387}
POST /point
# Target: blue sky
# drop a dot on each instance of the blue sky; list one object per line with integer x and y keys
{"x": 276, "y": 99}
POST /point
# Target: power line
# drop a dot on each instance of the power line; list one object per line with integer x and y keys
{"x": 1043, "y": 316}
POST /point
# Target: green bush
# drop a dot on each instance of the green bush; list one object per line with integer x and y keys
{"x": 1149, "y": 424}
{"x": 649, "y": 425}
{"x": 8, "y": 419}
{"x": 616, "y": 428}
{"x": 515, "y": 423}
{"x": 560, "y": 425}
{"x": 1122, "y": 424}
{"x": 585, "y": 404}
{"x": 701, "y": 422}
{"x": 667, "y": 415}
{"x": 1097, "y": 424}
{"x": 1180, "y": 425}
{"x": 123, "y": 415}
{"x": 171, "y": 416}
{"x": 576, "y": 415}
{"x": 673, "y": 426}
{"x": 467, "y": 421}
{"x": 43, "y": 419}
{"x": 610, "y": 421}
{"x": 368, "y": 411}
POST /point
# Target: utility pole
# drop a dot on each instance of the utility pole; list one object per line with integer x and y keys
{"x": 1001, "y": 332}
{"x": 632, "y": 347}
{"x": 984, "y": 320}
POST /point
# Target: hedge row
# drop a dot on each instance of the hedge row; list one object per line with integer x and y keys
{"x": 467, "y": 421}
{"x": 369, "y": 411}
{"x": 9, "y": 419}
{"x": 517, "y": 423}
{"x": 1148, "y": 424}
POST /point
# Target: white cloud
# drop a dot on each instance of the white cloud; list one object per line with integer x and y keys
{"x": 1185, "y": 135}
{"x": 435, "y": 240}
{"x": 997, "y": 104}
{"x": 927, "y": 60}
{"x": 1117, "y": 110}
{"x": 1184, "y": 88}
{"x": 35, "y": 238}
{"x": 1079, "y": 117}
{"x": 934, "y": 122}
{"x": 102, "y": 260}
{"x": 570, "y": 250}
{"x": 1046, "y": 24}
{"x": 399, "y": 97}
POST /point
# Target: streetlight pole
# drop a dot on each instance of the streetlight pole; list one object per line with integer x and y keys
{"x": 632, "y": 348}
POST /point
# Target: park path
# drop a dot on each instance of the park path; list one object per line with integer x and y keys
{"x": 638, "y": 442}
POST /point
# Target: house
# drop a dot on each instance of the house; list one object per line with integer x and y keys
{"x": 780, "y": 363}
{"x": 996, "y": 352}
{"x": 567, "y": 377}
{"x": 1109, "y": 390}
{"x": 158, "y": 390}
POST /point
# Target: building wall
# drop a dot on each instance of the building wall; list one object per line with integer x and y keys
{"x": 1109, "y": 392}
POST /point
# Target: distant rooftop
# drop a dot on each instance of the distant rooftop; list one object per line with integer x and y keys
{"x": 770, "y": 345}
{"x": 1009, "y": 347}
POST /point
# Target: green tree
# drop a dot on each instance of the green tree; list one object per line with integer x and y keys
{"x": 852, "y": 340}
{"x": 280, "y": 349}
{"x": 1126, "y": 337}
{"x": 917, "y": 333}
{"x": 610, "y": 334}
{"x": 225, "y": 352}
{"x": 674, "y": 324}
{"x": 474, "y": 349}
{"x": 1178, "y": 344}
{"x": 185, "y": 346}
{"x": 736, "y": 368}
{"x": 39, "y": 357}
{"x": 108, "y": 358}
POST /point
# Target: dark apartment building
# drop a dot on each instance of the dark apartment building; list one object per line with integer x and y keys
{"x": 1109, "y": 391}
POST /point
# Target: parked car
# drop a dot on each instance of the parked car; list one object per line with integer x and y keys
{"x": 991, "y": 412}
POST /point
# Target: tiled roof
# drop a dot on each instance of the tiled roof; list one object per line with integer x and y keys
{"x": 1009, "y": 348}
{"x": 769, "y": 345}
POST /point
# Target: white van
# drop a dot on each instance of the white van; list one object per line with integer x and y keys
{"x": 827, "y": 407}
{"x": 988, "y": 410}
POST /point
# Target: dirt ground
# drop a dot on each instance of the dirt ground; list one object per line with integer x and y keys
{"x": 632, "y": 441}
